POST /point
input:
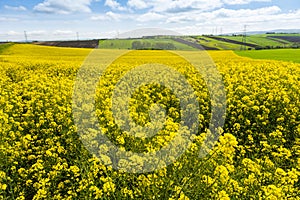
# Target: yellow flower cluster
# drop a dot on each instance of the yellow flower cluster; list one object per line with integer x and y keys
{"x": 42, "y": 157}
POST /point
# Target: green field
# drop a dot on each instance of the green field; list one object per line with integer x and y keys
{"x": 264, "y": 40}
{"x": 260, "y": 40}
{"x": 152, "y": 42}
{"x": 209, "y": 42}
{"x": 4, "y": 46}
{"x": 115, "y": 44}
{"x": 292, "y": 55}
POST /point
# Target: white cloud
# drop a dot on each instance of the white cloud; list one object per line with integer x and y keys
{"x": 13, "y": 33}
{"x": 36, "y": 33}
{"x": 113, "y": 16}
{"x": 179, "y": 19}
{"x": 63, "y": 7}
{"x": 150, "y": 16}
{"x": 175, "y": 6}
{"x": 222, "y": 16}
{"x": 63, "y": 32}
{"x": 228, "y": 20}
{"x": 186, "y": 6}
{"x": 240, "y": 2}
{"x": 8, "y": 19}
{"x": 113, "y": 4}
{"x": 108, "y": 16}
{"x": 137, "y": 4}
{"x": 99, "y": 18}
{"x": 248, "y": 13}
{"x": 15, "y": 8}
{"x": 178, "y": 6}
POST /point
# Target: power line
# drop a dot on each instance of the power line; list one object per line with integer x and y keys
{"x": 244, "y": 39}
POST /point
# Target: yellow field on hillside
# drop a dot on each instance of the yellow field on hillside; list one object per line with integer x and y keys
{"x": 43, "y": 157}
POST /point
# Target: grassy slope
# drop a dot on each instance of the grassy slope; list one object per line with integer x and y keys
{"x": 259, "y": 40}
{"x": 126, "y": 43}
{"x": 217, "y": 44}
{"x": 115, "y": 44}
{"x": 263, "y": 40}
{"x": 3, "y": 47}
{"x": 292, "y": 55}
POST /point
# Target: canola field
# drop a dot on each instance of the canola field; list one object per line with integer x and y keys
{"x": 257, "y": 155}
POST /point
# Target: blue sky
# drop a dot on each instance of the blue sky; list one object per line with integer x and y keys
{"x": 62, "y": 19}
